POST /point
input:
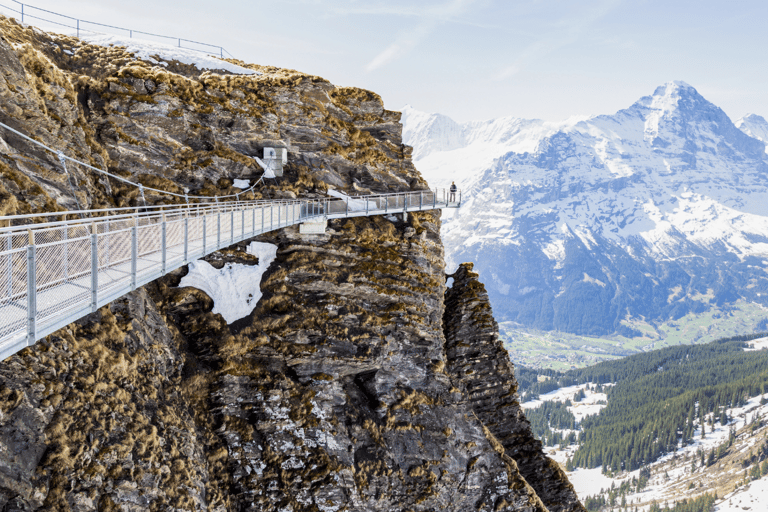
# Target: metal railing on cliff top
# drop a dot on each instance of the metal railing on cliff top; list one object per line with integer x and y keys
{"x": 24, "y": 12}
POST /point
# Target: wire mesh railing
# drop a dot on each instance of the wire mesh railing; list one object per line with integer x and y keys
{"x": 54, "y": 270}
{"x": 30, "y": 14}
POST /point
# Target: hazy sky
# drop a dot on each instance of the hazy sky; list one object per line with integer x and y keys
{"x": 481, "y": 59}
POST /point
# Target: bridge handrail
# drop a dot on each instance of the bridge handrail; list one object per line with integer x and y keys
{"x": 131, "y": 211}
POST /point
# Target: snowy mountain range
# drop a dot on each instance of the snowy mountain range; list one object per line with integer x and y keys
{"x": 595, "y": 225}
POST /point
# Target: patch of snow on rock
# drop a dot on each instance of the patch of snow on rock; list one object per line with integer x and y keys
{"x": 236, "y": 288}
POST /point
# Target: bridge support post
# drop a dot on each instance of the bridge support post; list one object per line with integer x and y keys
{"x": 31, "y": 295}
{"x": 186, "y": 238}
{"x": 204, "y": 216}
{"x": 94, "y": 271}
{"x": 10, "y": 262}
{"x": 218, "y": 230}
{"x": 106, "y": 242}
{"x": 65, "y": 236}
{"x": 163, "y": 245}
{"x": 134, "y": 253}
{"x": 242, "y": 224}
{"x": 231, "y": 226}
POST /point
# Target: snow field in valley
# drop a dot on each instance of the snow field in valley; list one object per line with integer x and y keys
{"x": 591, "y": 404}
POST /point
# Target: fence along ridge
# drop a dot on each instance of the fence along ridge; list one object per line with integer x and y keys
{"x": 62, "y": 158}
{"x": 130, "y": 32}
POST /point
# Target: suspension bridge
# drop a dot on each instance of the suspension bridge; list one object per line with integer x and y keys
{"x": 57, "y": 271}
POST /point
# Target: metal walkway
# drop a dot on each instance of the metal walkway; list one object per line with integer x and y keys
{"x": 56, "y": 272}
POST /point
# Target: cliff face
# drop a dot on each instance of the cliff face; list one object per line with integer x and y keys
{"x": 333, "y": 394}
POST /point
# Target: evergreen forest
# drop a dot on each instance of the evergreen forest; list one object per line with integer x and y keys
{"x": 659, "y": 402}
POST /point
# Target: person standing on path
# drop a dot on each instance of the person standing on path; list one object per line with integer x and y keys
{"x": 453, "y": 192}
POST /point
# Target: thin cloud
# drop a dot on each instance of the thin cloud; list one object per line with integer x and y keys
{"x": 566, "y": 31}
{"x": 402, "y": 45}
{"x": 432, "y": 17}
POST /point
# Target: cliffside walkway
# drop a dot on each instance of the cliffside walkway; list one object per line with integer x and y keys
{"x": 57, "y": 271}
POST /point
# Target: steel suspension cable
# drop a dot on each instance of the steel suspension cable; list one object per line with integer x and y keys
{"x": 141, "y": 187}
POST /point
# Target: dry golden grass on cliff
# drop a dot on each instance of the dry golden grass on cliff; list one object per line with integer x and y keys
{"x": 109, "y": 415}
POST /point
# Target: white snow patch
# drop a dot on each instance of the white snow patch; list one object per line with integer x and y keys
{"x": 241, "y": 184}
{"x": 591, "y": 404}
{"x": 590, "y": 279}
{"x": 500, "y": 285}
{"x": 589, "y": 482}
{"x": 758, "y": 344}
{"x": 751, "y": 497}
{"x": 236, "y": 288}
{"x": 149, "y": 50}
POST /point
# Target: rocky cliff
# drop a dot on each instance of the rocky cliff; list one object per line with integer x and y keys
{"x": 336, "y": 393}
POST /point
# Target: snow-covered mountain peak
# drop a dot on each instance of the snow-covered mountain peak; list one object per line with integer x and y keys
{"x": 430, "y": 132}
{"x": 755, "y": 126}
{"x": 751, "y": 119}
{"x": 669, "y": 184}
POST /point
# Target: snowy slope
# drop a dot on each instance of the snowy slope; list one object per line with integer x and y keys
{"x": 444, "y": 150}
{"x": 755, "y": 126}
{"x": 653, "y": 212}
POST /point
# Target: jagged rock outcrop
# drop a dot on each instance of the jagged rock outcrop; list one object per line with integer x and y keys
{"x": 331, "y": 395}
{"x": 479, "y": 363}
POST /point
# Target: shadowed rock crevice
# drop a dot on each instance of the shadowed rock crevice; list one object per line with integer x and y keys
{"x": 479, "y": 364}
